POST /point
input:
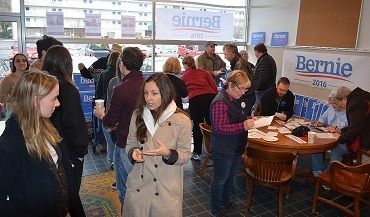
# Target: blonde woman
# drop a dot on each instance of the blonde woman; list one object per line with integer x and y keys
{"x": 229, "y": 138}
{"x": 172, "y": 68}
{"x": 40, "y": 173}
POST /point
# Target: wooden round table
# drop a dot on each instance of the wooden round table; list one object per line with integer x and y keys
{"x": 286, "y": 144}
{"x": 289, "y": 145}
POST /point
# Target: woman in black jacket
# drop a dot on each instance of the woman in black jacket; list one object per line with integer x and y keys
{"x": 68, "y": 118}
{"x": 36, "y": 174}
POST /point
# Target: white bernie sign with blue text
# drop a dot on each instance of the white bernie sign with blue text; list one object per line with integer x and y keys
{"x": 194, "y": 25}
{"x": 327, "y": 70}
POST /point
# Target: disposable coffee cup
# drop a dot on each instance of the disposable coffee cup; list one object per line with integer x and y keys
{"x": 311, "y": 137}
{"x": 99, "y": 103}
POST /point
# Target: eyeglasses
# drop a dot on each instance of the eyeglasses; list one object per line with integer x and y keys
{"x": 242, "y": 88}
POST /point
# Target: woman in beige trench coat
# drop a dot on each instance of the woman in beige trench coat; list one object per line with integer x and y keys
{"x": 158, "y": 145}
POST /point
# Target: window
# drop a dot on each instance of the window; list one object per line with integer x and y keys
{"x": 145, "y": 14}
{"x": 114, "y": 22}
{"x": 113, "y": 3}
{"x": 84, "y": 1}
{"x": 60, "y": 10}
{"x": 140, "y": 23}
{"x": 145, "y": 24}
{"x": 28, "y": 19}
{"x": 85, "y": 11}
{"x": 118, "y": 22}
{"x": 119, "y": 12}
{"x": 90, "y": 1}
{"x": 111, "y": 34}
{"x": 113, "y": 12}
{"x": 140, "y": 5}
{"x": 90, "y": 11}
{"x": 119, "y": 3}
{"x": 140, "y": 14}
{"x": 53, "y": 9}
{"x": 68, "y": 33}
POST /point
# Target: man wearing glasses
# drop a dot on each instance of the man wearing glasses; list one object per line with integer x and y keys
{"x": 278, "y": 101}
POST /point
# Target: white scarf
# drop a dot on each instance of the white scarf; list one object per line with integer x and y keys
{"x": 149, "y": 120}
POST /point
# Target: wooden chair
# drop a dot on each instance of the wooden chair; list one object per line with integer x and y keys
{"x": 206, "y": 131}
{"x": 270, "y": 169}
{"x": 352, "y": 181}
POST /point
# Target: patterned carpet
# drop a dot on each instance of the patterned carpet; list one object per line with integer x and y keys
{"x": 98, "y": 197}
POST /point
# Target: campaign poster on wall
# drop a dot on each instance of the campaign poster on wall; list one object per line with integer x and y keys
{"x": 258, "y": 37}
{"x": 92, "y": 25}
{"x": 279, "y": 38}
{"x": 194, "y": 25}
{"x": 326, "y": 70}
{"x": 55, "y": 24}
{"x": 128, "y": 24}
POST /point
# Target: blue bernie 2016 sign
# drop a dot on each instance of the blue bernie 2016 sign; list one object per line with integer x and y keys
{"x": 279, "y": 38}
{"x": 258, "y": 37}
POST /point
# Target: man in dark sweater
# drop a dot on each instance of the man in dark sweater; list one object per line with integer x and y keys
{"x": 277, "y": 101}
{"x": 264, "y": 75}
{"x": 120, "y": 111}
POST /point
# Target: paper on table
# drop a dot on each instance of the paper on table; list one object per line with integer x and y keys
{"x": 255, "y": 131}
{"x": 272, "y": 134}
{"x": 272, "y": 128}
{"x": 297, "y": 139}
{"x": 263, "y": 121}
{"x": 284, "y": 130}
{"x": 325, "y": 135}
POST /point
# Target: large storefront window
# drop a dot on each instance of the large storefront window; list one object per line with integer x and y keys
{"x": 10, "y": 6}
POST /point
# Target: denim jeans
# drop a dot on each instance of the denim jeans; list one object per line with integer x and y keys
{"x": 122, "y": 167}
{"x": 225, "y": 167}
{"x": 317, "y": 162}
{"x": 110, "y": 144}
{"x": 338, "y": 152}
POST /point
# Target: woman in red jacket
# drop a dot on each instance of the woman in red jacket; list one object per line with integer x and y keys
{"x": 202, "y": 89}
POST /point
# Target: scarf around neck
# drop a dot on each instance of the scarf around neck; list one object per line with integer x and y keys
{"x": 149, "y": 119}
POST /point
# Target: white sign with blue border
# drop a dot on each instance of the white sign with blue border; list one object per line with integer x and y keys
{"x": 326, "y": 70}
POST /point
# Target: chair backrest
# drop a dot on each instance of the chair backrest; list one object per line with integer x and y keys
{"x": 206, "y": 131}
{"x": 360, "y": 174}
{"x": 270, "y": 166}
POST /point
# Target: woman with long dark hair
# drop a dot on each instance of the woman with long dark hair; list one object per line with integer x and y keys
{"x": 20, "y": 65}
{"x": 158, "y": 144}
{"x": 68, "y": 118}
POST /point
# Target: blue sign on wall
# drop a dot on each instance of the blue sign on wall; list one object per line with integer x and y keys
{"x": 86, "y": 98}
{"x": 298, "y": 105}
{"x": 83, "y": 84}
{"x": 279, "y": 38}
{"x": 258, "y": 37}
{"x": 310, "y": 109}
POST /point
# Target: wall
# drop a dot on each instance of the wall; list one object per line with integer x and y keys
{"x": 271, "y": 15}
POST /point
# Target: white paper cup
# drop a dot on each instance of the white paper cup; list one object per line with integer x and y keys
{"x": 311, "y": 137}
{"x": 99, "y": 103}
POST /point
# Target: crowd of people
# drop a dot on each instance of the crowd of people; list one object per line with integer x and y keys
{"x": 148, "y": 134}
